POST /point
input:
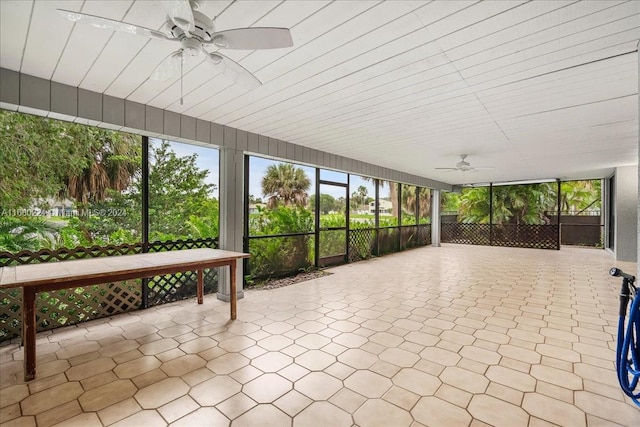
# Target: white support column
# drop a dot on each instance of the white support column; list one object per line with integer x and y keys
{"x": 231, "y": 215}
{"x": 435, "y": 218}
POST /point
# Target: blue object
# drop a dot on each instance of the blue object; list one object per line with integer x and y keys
{"x": 627, "y": 350}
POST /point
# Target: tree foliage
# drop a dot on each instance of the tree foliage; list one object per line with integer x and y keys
{"x": 100, "y": 172}
{"x": 43, "y": 158}
{"x": 522, "y": 204}
{"x": 287, "y": 184}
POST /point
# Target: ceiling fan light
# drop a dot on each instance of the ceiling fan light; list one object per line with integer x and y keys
{"x": 215, "y": 59}
{"x": 220, "y": 41}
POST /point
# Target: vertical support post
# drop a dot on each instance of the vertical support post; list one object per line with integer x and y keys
{"x": 245, "y": 240}
{"x": 416, "y": 211}
{"x": 29, "y": 332}
{"x": 145, "y": 215}
{"x": 348, "y": 217}
{"x": 491, "y": 214}
{"x": 317, "y": 221}
{"x": 559, "y": 184}
{"x": 377, "y": 215}
{"x": 436, "y": 219}
{"x": 231, "y": 210}
{"x": 399, "y": 215}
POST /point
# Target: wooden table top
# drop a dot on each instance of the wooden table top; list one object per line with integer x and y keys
{"x": 63, "y": 271}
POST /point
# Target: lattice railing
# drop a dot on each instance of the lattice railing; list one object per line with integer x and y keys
{"x": 362, "y": 243}
{"x": 388, "y": 240}
{"x": 468, "y": 234}
{"x": 408, "y": 237}
{"x": 512, "y": 235}
{"x": 424, "y": 234}
{"x": 526, "y": 236}
{"x": 75, "y": 305}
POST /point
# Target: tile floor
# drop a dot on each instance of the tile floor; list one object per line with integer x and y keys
{"x": 451, "y": 336}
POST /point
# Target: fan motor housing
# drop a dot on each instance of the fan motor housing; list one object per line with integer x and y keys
{"x": 204, "y": 28}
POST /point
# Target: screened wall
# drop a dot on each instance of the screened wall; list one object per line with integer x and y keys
{"x": 301, "y": 217}
{"x": 503, "y": 215}
{"x": 71, "y": 191}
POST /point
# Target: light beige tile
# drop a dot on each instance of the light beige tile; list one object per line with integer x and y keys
{"x": 399, "y": 357}
{"x": 315, "y": 360}
{"x": 142, "y": 418}
{"x": 348, "y": 400}
{"x": 89, "y": 419}
{"x": 322, "y": 414}
{"x": 272, "y": 361}
{"x": 293, "y": 402}
{"x": 160, "y": 393}
{"x": 178, "y": 408}
{"x": 358, "y": 359}
{"x": 567, "y": 380}
{"x": 215, "y": 390}
{"x": 368, "y": 384}
{"x": 376, "y": 412}
{"x": 401, "y": 397}
{"x": 227, "y": 363}
{"x": 182, "y": 365}
{"x": 51, "y": 398}
{"x": 454, "y": 395}
{"x": 416, "y": 381}
{"x": 148, "y": 378}
{"x": 119, "y": 411}
{"x": 267, "y": 388}
{"x": 136, "y": 367}
{"x": 435, "y": 412}
{"x": 464, "y": 379}
{"x": 623, "y": 413}
{"x": 236, "y": 405}
{"x": 552, "y": 410}
{"x": 263, "y": 416}
{"x": 58, "y": 414}
{"x": 497, "y": 412}
{"x": 318, "y": 385}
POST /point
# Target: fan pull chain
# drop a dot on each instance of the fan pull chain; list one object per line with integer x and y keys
{"x": 181, "y": 76}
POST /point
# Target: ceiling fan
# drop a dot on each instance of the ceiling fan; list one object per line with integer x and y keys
{"x": 464, "y": 166}
{"x": 194, "y": 31}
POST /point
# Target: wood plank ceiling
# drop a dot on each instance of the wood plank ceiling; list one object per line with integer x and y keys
{"x": 536, "y": 89}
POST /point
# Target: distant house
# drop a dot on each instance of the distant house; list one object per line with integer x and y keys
{"x": 54, "y": 207}
{"x": 253, "y": 207}
{"x": 384, "y": 207}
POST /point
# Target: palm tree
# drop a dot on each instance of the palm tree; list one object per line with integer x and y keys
{"x": 287, "y": 184}
{"x": 114, "y": 163}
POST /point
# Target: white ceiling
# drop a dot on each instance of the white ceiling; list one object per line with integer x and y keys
{"x": 538, "y": 89}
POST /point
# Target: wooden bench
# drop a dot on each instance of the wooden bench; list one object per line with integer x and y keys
{"x": 34, "y": 278}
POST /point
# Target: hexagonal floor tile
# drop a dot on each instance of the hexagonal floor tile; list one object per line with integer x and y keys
{"x": 267, "y": 388}
{"x": 322, "y": 414}
{"x": 377, "y": 412}
{"x": 318, "y": 385}
{"x": 315, "y": 360}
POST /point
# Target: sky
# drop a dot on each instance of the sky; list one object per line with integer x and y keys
{"x": 209, "y": 159}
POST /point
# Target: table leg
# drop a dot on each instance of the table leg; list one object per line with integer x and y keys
{"x": 29, "y": 332}
{"x": 232, "y": 288}
{"x": 200, "y": 287}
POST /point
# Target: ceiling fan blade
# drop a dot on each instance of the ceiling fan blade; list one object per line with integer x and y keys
{"x": 233, "y": 71}
{"x": 484, "y": 168}
{"x": 168, "y": 68}
{"x": 111, "y": 24}
{"x": 447, "y": 169}
{"x": 180, "y": 12}
{"x": 252, "y": 38}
